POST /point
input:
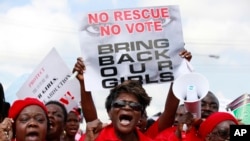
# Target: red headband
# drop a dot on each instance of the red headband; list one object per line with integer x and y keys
{"x": 74, "y": 110}
{"x": 19, "y": 105}
{"x": 210, "y": 123}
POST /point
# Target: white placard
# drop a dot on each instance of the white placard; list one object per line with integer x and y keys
{"x": 136, "y": 43}
{"x": 49, "y": 81}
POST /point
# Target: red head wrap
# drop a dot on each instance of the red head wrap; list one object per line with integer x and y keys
{"x": 213, "y": 120}
{"x": 19, "y": 105}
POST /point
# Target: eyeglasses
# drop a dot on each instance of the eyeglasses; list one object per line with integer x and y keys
{"x": 224, "y": 134}
{"x": 122, "y": 103}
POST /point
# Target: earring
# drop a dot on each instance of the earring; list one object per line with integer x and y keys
{"x": 139, "y": 122}
{"x": 63, "y": 135}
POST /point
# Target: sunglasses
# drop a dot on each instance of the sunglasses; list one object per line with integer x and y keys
{"x": 122, "y": 103}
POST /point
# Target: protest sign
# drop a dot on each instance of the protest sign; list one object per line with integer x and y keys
{"x": 136, "y": 43}
{"x": 49, "y": 81}
{"x": 240, "y": 108}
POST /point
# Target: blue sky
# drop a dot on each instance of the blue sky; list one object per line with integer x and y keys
{"x": 30, "y": 28}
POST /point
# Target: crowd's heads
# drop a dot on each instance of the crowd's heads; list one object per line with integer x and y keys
{"x": 208, "y": 128}
{"x": 142, "y": 124}
{"x": 73, "y": 122}
{"x": 132, "y": 87}
{"x": 19, "y": 105}
{"x": 77, "y": 112}
{"x": 27, "y": 113}
{"x": 209, "y": 105}
{"x": 181, "y": 110}
{"x": 64, "y": 110}
{"x": 57, "y": 114}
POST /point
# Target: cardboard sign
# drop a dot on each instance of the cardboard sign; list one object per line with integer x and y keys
{"x": 49, "y": 81}
{"x": 240, "y": 107}
{"x": 136, "y": 43}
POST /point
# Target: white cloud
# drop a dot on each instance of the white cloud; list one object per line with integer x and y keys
{"x": 29, "y": 32}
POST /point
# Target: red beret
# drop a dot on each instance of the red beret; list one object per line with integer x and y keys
{"x": 19, "y": 105}
{"x": 213, "y": 120}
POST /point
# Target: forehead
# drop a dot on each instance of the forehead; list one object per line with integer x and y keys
{"x": 224, "y": 124}
{"x": 72, "y": 114}
{"x": 181, "y": 108}
{"x": 32, "y": 109}
{"x": 54, "y": 107}
{"x": 127, "y": 96}
{"x": 210, "y": 99}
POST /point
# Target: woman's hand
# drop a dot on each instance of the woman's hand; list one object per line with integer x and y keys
{"x": 6, "y": 132}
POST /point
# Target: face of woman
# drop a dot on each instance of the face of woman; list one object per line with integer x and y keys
{"x": 179, "y": 113}
{"x": 56, "y": 118}
{"x": 125, "y": 113}
{"x": 221, "y": 132}
{"x": 72, "y": 124}
{"x": 31, "y": 124}
{"x": 142, "y": 123}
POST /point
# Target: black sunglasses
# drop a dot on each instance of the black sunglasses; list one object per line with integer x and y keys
{"x": 122, "y": 103}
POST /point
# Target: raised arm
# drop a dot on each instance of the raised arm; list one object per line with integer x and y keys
{"x": 87, "y": 103}
{"x": 168, "y": 115}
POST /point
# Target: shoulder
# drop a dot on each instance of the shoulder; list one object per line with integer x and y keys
{"x": 142, "y": 137}
{"x": 107, "y": 133}
{"x": 166, "y": 134}
{"x": 6, "y": 104}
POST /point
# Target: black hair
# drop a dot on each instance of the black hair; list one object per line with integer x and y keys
{"x": 4, "y": 106}
{"x": 133, "y": 87}
{"x": 215, "y": 98}
{"x": 65, "y": 113}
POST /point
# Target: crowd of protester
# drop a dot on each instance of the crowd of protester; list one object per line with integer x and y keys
{"x": 126, "y": 105}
